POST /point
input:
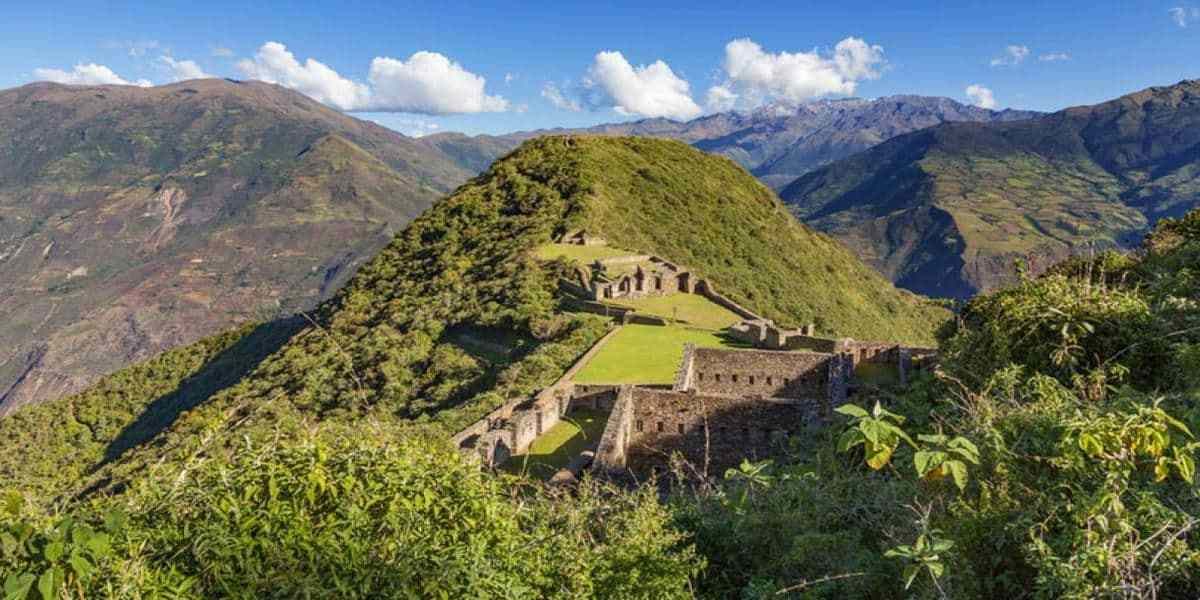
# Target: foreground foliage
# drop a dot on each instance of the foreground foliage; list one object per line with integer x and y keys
{"x": 337, "y": 515}
{"x": 1061, "y": 462}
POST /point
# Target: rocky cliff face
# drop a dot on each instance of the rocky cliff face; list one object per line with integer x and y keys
{"x": 948, "y": 210}
{"x": 133, "y": 220}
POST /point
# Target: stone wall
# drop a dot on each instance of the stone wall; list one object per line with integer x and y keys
{"x": 512, "y": 427}
{"x": 759, "y": 373}
{"x": 705, "y": 288}
{"x": 713, "y": 431}
{"x": 593, "y": 396}
{"x": 610, "y": 459}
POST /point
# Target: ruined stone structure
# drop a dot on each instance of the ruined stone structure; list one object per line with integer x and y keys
{"x": 726, "y": 405}
{"x": 764, "y": 333}
{"x": 511, "y": 428}
{"x": 581, "y": 238}
{"x": 635, "y": 276}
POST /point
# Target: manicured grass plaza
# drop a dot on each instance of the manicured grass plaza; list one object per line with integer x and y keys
{"x": 646, "y": 354}
{"x": 696, "y": 310}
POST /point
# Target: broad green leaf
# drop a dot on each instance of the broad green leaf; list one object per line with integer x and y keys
{"x": 1090, "y": 444}
{"x": 17, "y": 586}
{"x": 83, "y": 569}
{"x": 921, "y": 460}
{"x": 1185, "y": 464}
{"x": 851, "y": 410}
{"x": 910, "y": 573}
{"x": 959, "y": 471}
{"x": 849, "y": 439}
{"x": 54, "y": 551}
{"x": 50, "y": 582}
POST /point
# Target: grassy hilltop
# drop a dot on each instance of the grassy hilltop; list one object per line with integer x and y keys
{"x": 328, "y": 430}
{"x": 396, "y": 342}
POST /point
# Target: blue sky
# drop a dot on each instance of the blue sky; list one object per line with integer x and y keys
{"x": 488, "y": 68}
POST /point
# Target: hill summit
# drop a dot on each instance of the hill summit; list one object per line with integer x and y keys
{"x": 459, "y": 312}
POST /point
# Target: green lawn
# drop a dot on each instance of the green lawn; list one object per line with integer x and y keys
{"x": 646, "y": 354}
{"x": 697, "y": 310}
{"x": 577, "y": 253}
{"x": 576, "y": 432}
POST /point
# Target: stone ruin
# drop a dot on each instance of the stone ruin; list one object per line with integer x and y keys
{"x": 634, "y": 276}
{"x": 725, "y": 406}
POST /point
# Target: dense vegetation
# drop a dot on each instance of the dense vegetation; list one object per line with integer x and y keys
{"x": 1051, "y": 456}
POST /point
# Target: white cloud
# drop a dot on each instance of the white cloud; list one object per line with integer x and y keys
{"x": 273, "y": 63}
{"x": 754, "y": 77}
{"x": 1013, "y": 56}
{"x": 182, "y": 70}
{"x": 509, "y": 78}
{"x": 720, "y": 98}
{"x": 1054, "y": 57}
{"x": 559, "y": 99}
{"x": 87, "y": 74}
{"x": 1183, "y": 15}
{"x": 652, "y": 90}
{"x": 427, "y": 83}
{"x": 222, "y": 52}
{"x": 981, "y": 96}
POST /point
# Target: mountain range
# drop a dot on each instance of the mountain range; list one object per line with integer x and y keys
{"x": 946, "y": 211}
{"x": 133, "y": 219}
{"x": 776, "y": 143}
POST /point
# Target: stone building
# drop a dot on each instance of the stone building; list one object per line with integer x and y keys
{"x": 726, "y": 405}
{"x": 635, "y": 276}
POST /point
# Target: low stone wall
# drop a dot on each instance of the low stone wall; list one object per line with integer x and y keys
{"x": 625, "y": 260}
{"x": 594, "y": 396}
{"x": 610, "y": 452}
{"x": 705, "y": 288}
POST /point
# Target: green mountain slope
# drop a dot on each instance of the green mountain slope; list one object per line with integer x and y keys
{"x": 945, "y": 211}
{"x": 389, "y": 347}
{"x": 133, "y": 220}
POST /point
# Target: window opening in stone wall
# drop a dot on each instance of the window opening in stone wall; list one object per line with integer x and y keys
{"x": 680, "y": 428}
{"x": 734, "y": 377}
{"x": 751, "y": 380}
{"x": 718, "y": 376}
{"x": 639, "y": 426}
{"x": 660, "y": 427}
{"x": 768, "y": 380}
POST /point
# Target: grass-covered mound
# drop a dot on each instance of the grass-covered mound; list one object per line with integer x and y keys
{"x": 390, "y": 345}
{"x": 665, "y": 198}
{"x": 311, "y": 457}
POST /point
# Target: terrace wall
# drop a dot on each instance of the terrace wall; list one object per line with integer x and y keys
{"x": 759, "y": 373}
{"x": 716, "y": 432}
